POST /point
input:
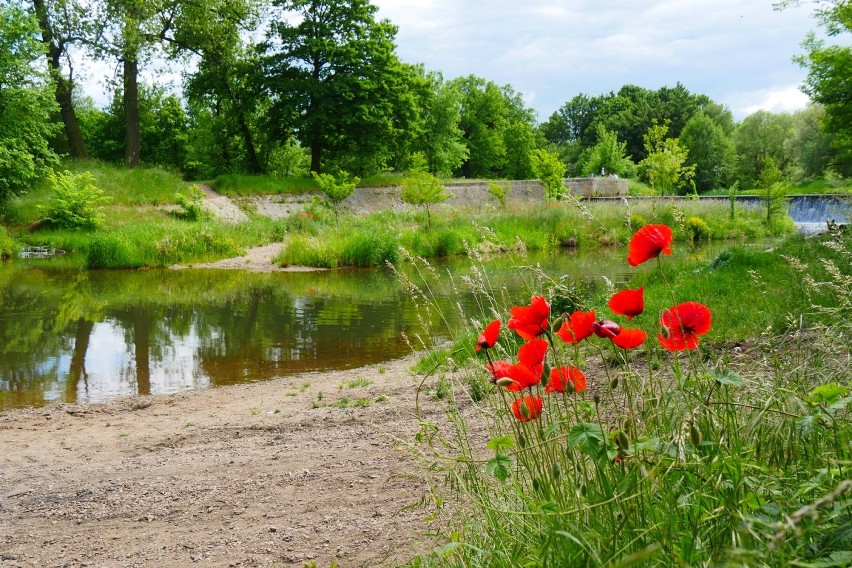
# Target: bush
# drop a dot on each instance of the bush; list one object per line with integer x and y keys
{"x": 77, "y": 201}
{"x": 191, "y": 204}
{"x": 7, "y": 245}
{"x": 697, "y": 229}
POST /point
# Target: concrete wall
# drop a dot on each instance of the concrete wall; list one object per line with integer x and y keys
{"x": 475, "y": 193}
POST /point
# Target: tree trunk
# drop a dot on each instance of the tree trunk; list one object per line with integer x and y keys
{"x": 316, "y": 149}
{"x": 64, "y": 86}
{"x": 254, "y": 165}
{"x": 131, "y": 111}
{"x": 142, "y": 349}
{"x": 78, "y": 359}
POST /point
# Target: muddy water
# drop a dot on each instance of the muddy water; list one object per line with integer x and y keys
{"x": 72, "y": 336}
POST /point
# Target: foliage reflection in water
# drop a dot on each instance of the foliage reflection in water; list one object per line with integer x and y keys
{"x": 73, "y": 336}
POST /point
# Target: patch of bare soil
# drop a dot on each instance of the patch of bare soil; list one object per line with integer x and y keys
{"x": 256, "y": 475}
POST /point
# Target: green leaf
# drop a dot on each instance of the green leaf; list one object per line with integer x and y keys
{"x": 499, "y": 466}
{"x": 727, "y": 377}
{"x": 500, "y": 443}
{"x": 448, "y": 548}
{"x": 588, "y": 438}
{"x": 828, "y": 394}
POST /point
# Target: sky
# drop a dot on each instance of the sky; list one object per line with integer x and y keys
{"x": 737, "y": 52}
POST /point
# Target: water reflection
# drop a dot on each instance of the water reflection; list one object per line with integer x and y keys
{"x": 84, "y": 337}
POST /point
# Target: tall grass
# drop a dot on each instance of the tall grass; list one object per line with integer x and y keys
{"x": 735, "y": 454}
{"x": 532, "y": 227}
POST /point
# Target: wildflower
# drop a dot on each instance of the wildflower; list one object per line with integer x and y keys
{"x": 530, "y": 321}
{"x": 559, "y": 379}
{"x": 606, "y": 329}
{"x": 527, "y": 372}
{"x": 577, "y": 328}
{"x": 499, "y": 369}
{"x": 681, "y": 325}
{"x": 527, "y": 408}
{"x": 629, "y": 338}
{"x": 628, "y": 303}
{"x": 648, "y": 242}
{"x": 488, "y": 338}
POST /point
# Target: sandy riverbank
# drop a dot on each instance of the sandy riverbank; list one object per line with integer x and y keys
{"x": 254, "y": 475}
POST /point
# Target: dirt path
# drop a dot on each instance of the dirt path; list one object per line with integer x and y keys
{"x": 254, "y": 475}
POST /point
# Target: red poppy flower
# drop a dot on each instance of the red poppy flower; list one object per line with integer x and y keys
{"x": 530, "y": 321}
{"x": 499, "y": 369}
{"x": 527, "y": 408}
{"x": 527, "y": 372}
{"x": 577, "y": 328}
{"x": 681, "y": 325}
{"x": 606, "y": 329}
{"x": 488, "y": 338}
{"x": 629, "y": 338}
{"x": 648, "y": 243}
{"x": 628, "y": 303}
{"x": 560, "y": 377}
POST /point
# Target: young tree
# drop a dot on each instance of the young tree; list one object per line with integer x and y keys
{"x": 773, "y": 188}
{"x": 336, "y": 188}
{"x": 608, "y": 154}
{"x": 551, "y": 171}
{"x": 25, "y": 104}
{"x": 664, "y": 167}
{"x": 420, "y": 188}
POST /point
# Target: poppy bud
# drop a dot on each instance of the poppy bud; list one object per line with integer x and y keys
{"x": 545, "y": 374}
{"x": 621, "y": 440}
{"x": 522, "y": 441}
{"x": 555, "y": 471}
{"x": 569, "y": 387}
{"x": 695, "y": 435}
{"x": 525, "y": 410}
{"x": 613, "y": 384}
{"x": 536, "y": 485}
{"x": 597, "y": 399}
{"x": 664, "y": 331}
{"x": 504, "y": 382}
{"x": 583, "y": 489}
{"x": 606, "y": 329}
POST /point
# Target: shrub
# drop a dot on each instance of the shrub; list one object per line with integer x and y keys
{"x": 500, "y": 190}
{"x": 76, "y": 202}
{"x": 551, "y": 171}
{"x": 336, "y": 188}
{"x": 191, "y": 204}
{"x": 7, "y": 245}
{"x": 697, "y": 229}
{"x": 423, "y": 189}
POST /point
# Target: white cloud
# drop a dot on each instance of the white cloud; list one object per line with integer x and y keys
{"x": 781, "y": 100}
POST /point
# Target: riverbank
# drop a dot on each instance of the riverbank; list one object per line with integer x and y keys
{"x": 266, "y": 474}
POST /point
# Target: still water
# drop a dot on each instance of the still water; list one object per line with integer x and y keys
{"x": 88, "y": 336}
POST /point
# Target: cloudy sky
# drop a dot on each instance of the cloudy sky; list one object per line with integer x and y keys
{"x": 738, "y": 52}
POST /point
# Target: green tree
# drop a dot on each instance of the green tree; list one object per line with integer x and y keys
{"x": 664, "y": 166}
{"x": 337, "y": 83}
{"x": 336, "y": 188}
{"x": 440, "y": 139}
{"x": 608, "y": 155}
{"x": 773, "y": 189}
{"x": 710, "y": 150}
{"x": 761, "y": 136}
{"x": 829, "y": 80}
{"x": 26, "y": 104}
{"x": 422, "y": 189}
{"x": 60, "y": 22}
{"x": 810, "y": 146}
{"x": 548, "y": 168}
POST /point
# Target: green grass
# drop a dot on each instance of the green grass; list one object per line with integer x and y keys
{"x": 375, "y": 240}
